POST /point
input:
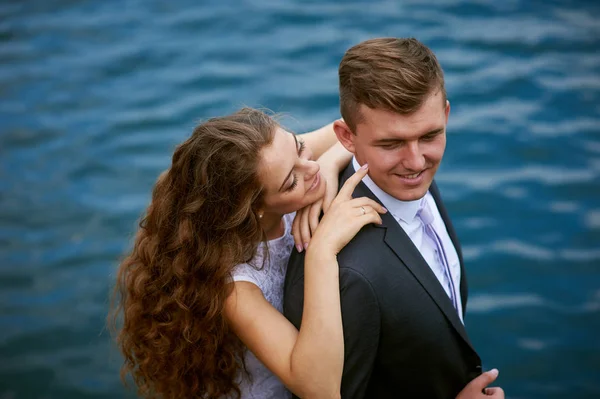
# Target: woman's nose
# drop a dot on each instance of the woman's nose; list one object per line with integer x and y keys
{"x": 311, "y": 169}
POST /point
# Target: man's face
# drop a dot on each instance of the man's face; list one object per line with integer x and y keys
{"x": 403, "y": 151}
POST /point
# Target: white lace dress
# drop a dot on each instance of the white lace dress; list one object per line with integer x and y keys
{"x": 270, "y": 279}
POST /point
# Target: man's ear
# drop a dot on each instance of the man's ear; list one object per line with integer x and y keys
{"x": 344, "y": 135}
{"x": 447, "y": 110}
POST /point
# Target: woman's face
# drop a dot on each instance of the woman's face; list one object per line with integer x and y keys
{"x": 290, "y": 177}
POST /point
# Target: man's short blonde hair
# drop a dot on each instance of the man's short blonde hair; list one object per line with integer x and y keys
{"x": 391, "y": 74}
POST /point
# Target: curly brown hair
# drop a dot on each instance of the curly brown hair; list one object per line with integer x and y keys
{"x": 170, "y": 290}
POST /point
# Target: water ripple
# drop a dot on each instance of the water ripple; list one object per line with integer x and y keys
{"x": 95, "y": 96}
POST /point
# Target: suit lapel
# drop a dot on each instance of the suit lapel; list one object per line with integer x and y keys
{"x": 401, "y": 244}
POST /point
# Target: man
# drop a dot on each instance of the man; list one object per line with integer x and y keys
{"x": 403, "y": 285}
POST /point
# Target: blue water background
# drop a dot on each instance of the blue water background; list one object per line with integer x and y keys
{"x": 96, "y": 94}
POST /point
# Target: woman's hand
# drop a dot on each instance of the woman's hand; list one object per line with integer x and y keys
{"x": 345, "y": 217}
{"x": 476, "y": 388}
{"x": 306, "y": 222}
{"x": 307, "y": 218}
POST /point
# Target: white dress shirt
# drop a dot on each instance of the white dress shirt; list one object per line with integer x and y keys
{"x": 404, "y": 212}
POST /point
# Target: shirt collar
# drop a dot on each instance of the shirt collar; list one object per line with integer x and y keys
{"x": 405, "y": 210}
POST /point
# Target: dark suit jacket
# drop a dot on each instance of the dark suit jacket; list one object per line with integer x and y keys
{"x": 402, "y": 336}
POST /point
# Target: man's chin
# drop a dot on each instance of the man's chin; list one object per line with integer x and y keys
{"x": 411, "y": 193}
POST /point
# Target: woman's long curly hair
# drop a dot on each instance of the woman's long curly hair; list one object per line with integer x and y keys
{"x": 170, "y": 290}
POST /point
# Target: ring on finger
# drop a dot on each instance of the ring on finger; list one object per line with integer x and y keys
{"x": 363, "y": 210}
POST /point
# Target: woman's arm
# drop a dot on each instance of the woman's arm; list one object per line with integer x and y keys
{"x": 310, "y": 361}
{"x": 320, "y": 140}
{"x": 332, "y": 163}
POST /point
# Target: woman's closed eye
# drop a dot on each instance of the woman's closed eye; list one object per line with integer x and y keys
{"x": 301, "y": 148}
{"x": 294, "y": 183}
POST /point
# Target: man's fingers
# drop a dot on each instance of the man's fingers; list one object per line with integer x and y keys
{"x": 477, "y": 387}
{"x": 350, "y": 184}
{"x": 495, "y": 393}
{"x": 484, "y": 379}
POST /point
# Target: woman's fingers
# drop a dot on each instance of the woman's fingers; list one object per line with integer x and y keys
{"x": 368, "y": 215}
{"x": 313, "y": 215}
{"x": 296, "y": 231}
{"x": 350, "y": 184}
{"x": 364, "y": 201}
{"x": 305, "y": 227}
{"x": 330, "y": 192}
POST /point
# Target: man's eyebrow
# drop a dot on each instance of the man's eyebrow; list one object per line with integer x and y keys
{"x": 386, "y": 141}
{"x": 396, "y": 140}
{"x": 434, "y": 132}
{"x": 289, "y": 174}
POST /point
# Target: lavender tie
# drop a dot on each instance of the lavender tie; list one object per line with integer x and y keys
{"x": 424, "y": 213}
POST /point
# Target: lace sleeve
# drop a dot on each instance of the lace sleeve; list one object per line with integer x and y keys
{"x": 259, "y": 271}
{"x": 245, "y": 272}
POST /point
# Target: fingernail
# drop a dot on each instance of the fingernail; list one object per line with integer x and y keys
{"x": 494, "y": 372}
{"x": 365, "y": 166}
{"x": 305, "y": 245}
{"x": 299, "y": 247}
{"x": 384, "y": 210}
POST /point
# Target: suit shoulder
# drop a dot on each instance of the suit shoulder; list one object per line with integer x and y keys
{"x": 364, "y": 250}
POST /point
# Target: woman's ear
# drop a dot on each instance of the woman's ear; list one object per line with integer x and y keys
{"x": 344, "y": 134}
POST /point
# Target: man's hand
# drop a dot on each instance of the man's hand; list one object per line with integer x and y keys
{"x": 476, "y": 389}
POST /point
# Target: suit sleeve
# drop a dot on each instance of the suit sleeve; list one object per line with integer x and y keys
{"x": 293, "y": 294}
{"x": 361, "y": 321}
{"x": 360, "y": 318}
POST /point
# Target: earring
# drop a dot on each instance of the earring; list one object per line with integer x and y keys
{"x": 260, "y": 215}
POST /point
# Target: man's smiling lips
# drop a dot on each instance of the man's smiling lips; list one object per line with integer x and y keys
{"x": 413, "y": 176}
{"x": 411, "y": 179}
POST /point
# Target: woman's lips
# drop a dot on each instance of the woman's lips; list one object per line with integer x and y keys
{"x": 315, "y": 182}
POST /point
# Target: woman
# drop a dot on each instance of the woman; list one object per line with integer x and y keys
{"x": 201, "y": 291}
{"x": 191, "y": 288}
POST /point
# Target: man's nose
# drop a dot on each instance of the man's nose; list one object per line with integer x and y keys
{"x": 412, "y": 157}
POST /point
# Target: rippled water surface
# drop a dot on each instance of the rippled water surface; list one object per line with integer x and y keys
{"x": 96, "y": 94}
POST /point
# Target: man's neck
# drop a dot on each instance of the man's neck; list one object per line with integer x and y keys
{"x": 405, "y": 210}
